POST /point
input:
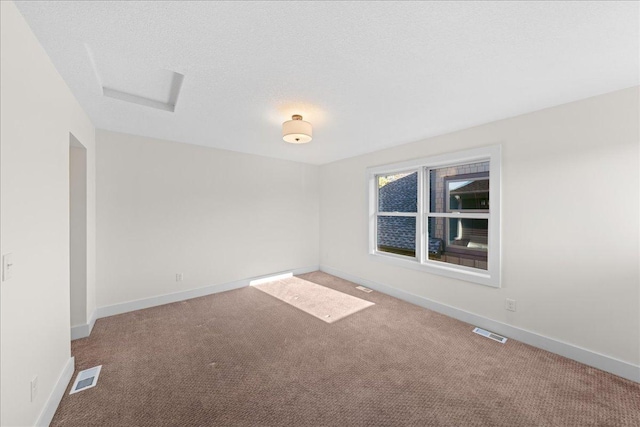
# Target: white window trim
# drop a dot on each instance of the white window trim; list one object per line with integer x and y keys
{"x": 490, "y": 277}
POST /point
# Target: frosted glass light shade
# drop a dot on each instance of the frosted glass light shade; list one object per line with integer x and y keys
{"x": 296, "y": 130}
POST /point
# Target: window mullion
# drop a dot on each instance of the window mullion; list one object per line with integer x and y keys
{"x": 419, "y": 225}
{"x": 470, "y": 215}
{"x": 397, "y": 214}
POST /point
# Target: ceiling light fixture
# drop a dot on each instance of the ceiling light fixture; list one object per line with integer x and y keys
{"x": 296, "y": 130}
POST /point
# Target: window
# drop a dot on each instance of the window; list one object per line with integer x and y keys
{"x": 439, "y": 214}
{"x": 458, "y": 214}
{"x": 397, "y": 212}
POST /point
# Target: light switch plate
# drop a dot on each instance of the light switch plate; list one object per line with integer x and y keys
{"x": 7, "y": 267}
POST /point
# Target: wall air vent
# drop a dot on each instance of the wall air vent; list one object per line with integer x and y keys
{"x": 490, "y": 335}
{"x": 86, "y": 379}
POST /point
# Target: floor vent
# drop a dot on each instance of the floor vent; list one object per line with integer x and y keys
{"x": 86, "y": 379}
{"x": 363, "y": 289}
{"x": 490, "y": 335}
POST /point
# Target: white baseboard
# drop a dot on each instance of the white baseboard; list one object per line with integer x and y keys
{"x": 126, "y": 307}
{"x": 579, "y": 354}
{"x": 51, "y": 405}
{"x": 83, "y": 331}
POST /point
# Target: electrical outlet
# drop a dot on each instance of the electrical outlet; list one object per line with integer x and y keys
{"x": 510, "y": 304}
{"x": 179, "y": 277}
{"x": 34, "y": 388}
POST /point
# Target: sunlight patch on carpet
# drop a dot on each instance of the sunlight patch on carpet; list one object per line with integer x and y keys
{"x": 319, "y": 301}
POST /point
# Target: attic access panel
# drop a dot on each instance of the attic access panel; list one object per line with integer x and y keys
{"x": 130, "y": 80}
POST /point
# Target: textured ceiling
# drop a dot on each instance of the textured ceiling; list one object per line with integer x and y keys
{"x": 368, "y": 75}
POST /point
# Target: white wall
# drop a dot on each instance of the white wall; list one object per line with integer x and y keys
{"x": 78, "y": 232}
{"x": 570, "y": 223}
{"x": 37, "y": 113}
{"x": 217, "y": 216}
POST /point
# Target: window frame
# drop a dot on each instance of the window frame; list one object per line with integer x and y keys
{"x": 421, "y": 262}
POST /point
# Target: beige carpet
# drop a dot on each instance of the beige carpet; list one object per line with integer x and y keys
{"x": 244, "y": 358}
{"x": 324, "y": 303}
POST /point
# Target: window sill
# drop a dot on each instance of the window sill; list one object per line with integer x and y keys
{"x": 459, "y": 272}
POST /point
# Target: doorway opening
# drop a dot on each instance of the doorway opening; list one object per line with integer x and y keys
{"x": 78, "y": 232}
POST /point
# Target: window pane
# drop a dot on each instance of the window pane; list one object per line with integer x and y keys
{"x": 459, "y": 188}
{"x": 397, "y": 235}
{"x": 461, "y": 241}
{"x": 398, "y": 192}
{"x": 467, "y": 234}
{"x": 468, "y": 194}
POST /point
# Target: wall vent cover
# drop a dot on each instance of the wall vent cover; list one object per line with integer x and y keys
{"x": 86, "y": 379}
{"x": 490, "y": 335}
{"x": 363, "y": 289}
